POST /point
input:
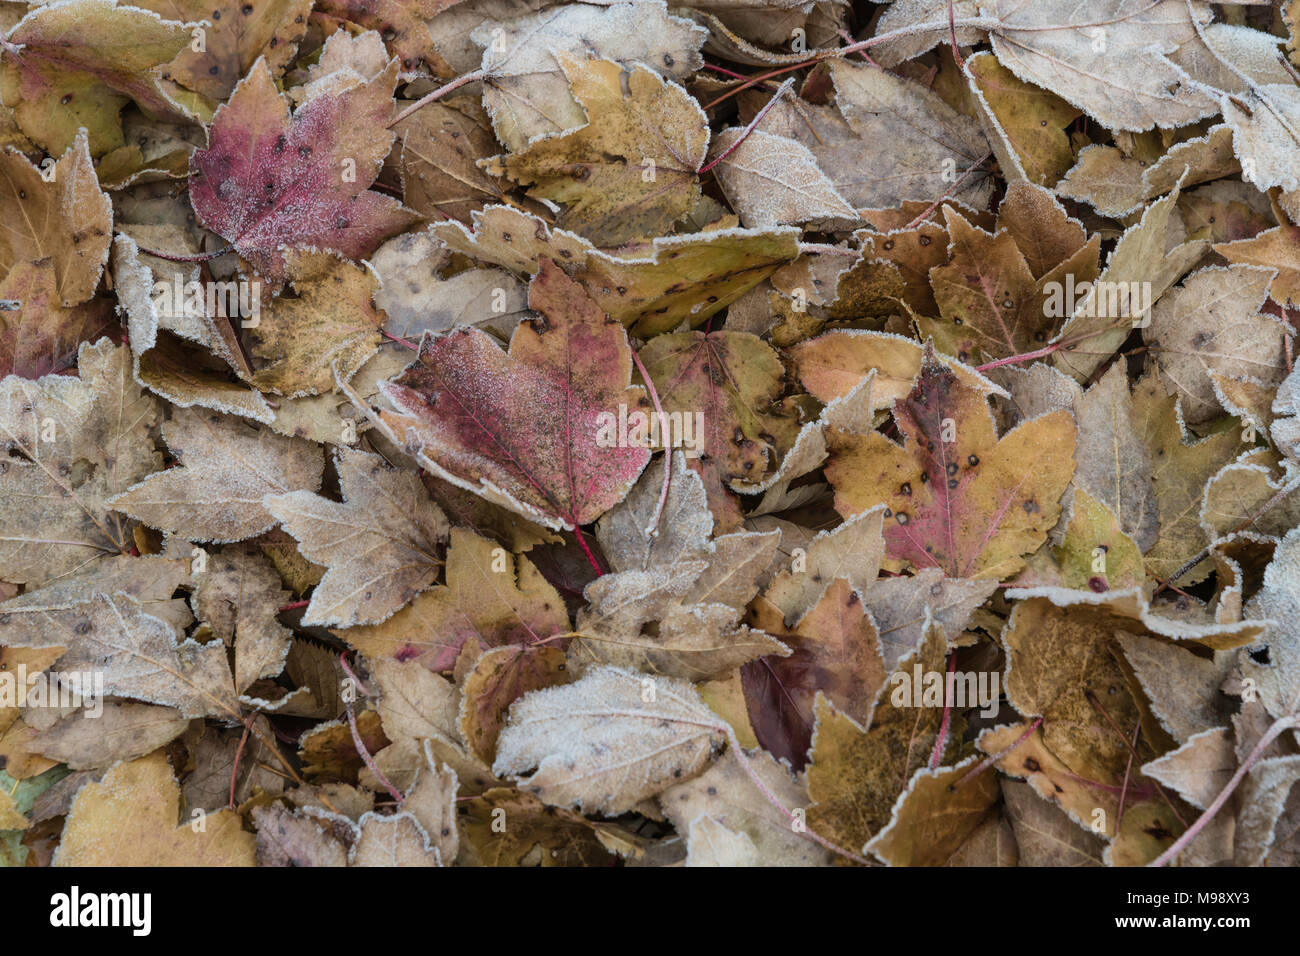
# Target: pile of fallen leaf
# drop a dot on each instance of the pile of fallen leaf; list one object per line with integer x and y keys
{"x": 969, "y": 324}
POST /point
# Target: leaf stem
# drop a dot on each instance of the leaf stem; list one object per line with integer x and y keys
{"x": 369, "y": 761}
{"x": 439, "y": 92}
{"x": 991, "y": 759}
{"x": 586, "y": 549}
{"x": 936, "y": 755}
{"x": 807, "y": 832}
{"x": 196, "y": 257}
{"x": 758, "y": 118}
{"x": 1279, "y": 727}
{"x": 652, "y": 529}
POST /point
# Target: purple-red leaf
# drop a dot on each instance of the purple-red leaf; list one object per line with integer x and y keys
{"x": 528, "y": 429}
{"x": 269, "y": 179}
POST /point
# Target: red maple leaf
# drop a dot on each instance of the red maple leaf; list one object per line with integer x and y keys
{"x": 524, "y": 428}
{"x": 269, "y": 179}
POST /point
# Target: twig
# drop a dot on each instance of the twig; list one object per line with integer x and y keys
{"x": 196, "y": 257}
{"x": 652, "y": 529}
{"x": 1279, "y": 727}
{"x": 1132, "y": 753}
{"x": 991, "y": 759}
{"x": 234, "y": 769}
{"x": 439, "y": 92}
{"x": 951, "y": 189}
{"x": 398, "y": 339}
{"x": 781, "y": 91}
{"x": 1128, "y": 770}
{"x": 1282, "y": 492}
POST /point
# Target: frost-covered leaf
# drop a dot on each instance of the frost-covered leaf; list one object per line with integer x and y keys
{"x": 534, "y": 429}
{"x": 269, "y": 179}
{"x": 526, "y": 90}
{"x": 66, "y": 220}
{"x": 630, "y": 171}
{"x": 380, "y": 544}
{"x": 956, "y": 496}
{"x": 132, "y": 818}
{"x": 608, "y": 741}
{"x": 227, "y": 468}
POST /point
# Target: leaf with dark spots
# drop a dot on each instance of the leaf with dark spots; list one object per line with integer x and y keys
{"x": 269, "y": 179}
{"x": 957, "y": 497}
{"x": 725, "y": 389}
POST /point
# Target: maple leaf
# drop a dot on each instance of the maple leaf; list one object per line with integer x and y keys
{"x": 957, "y": 497}
{"x": 542, "y": 835}
{"x": 934, "y": 817}
{"x": 52, "y": 424}
{"x": 775, "y": 180}
{"x": 731, "y": 383}
{"x": 442, "y": 144}
{"x": 653, "y": 288}
{"x": 238, "y": 597}
{"x": 630, "y": 172}
{"x": 228, "y": 466}
{"x": 996, "y": 291}
{"x": 1180, "y": 471}
{"x": 526, "y": 91}
{"x": 122, "y": 730}
{"x": 726, "y": 794}
{"x": 65, "y": 221}
{"x": 1277, "y": 248}
{"x": 43, "y": 335}
{"x": 524, "y": 428}
{"x": 856, "y": 773}
{"x": 305, "y": 344}
{"x": 499, "y": 677}
{"x": 131, "y": 818}
{"x": 830, "y": 366}
{"x": 270, "y": 179}
{"x": 236, "y": 33}
{"x": 400, "y": 22}
{"x": 489, "y": 597}
{"x": 882, "y": 111}
{"x": 835, "y": 650}
{"x": 142, "y": 656}
{"x": 76, "y": 64}
{"x": 689, "y": 636}
{"x": 1148, "y": 252}
{"x": 380, "y": 544}
{"x": 1026, "y": 124}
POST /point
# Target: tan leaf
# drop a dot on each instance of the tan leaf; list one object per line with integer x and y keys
{"x": 774, "y": 181}
{"x": 380, "y": 544}
{"x": 600, "y": 744}
{"x": 228, "y": 468}
{"x": 130, "y": 819}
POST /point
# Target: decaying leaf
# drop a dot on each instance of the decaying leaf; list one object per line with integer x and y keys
{"x": 460, "y": 433}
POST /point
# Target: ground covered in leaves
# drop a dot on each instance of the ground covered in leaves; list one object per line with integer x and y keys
{"x": 512, "y": 432}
